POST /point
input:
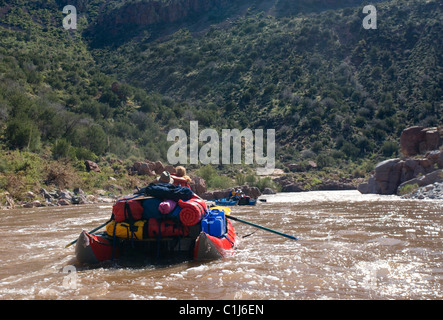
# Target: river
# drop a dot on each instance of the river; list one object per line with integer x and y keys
{"x": 350, "y": 246}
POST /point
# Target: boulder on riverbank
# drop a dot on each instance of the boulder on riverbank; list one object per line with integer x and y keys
{"x": 386, "y": 179}
{"x": 143, "y": 168}
{"x": 429, "y": 179}
{"x": 6, "y": 201}
{"x": 288, "y": 184}
{"x": 392, "y": 174}
{"x": 149, "y": 168}
{"x": 329, "y": 184}
{"x": 417, "y": 140}
{"x": 198, "y": 185}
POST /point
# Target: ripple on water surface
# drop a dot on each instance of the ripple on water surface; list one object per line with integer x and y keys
{"x": 351, "y": 246}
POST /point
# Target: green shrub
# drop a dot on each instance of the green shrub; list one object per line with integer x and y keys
{"x": 213, "y": 179}
{"x": 22, "y": 133}
{"x": 219, "y": 182}
{"x": 324, "y": 160}
{"x": 240, "y": 179}
{"x": 389, "y": 148}
{"x": 266, "y": 182}
{"x": 61, "y": 149}
{"x": 206, "y": 172}
{"x": 409, "y": 188}
{"x": 251, "y": 180}
{"x": 61, "y": 175}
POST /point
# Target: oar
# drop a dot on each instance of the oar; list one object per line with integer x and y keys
{"x": 261, "y": 227}
{"x": 92, "y": 231}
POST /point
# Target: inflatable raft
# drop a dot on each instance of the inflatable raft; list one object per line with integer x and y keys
{"x": 212, "y": 238}
{"x": 245, "y": 201}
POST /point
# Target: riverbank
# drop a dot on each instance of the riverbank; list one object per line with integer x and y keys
{"x": 77, "y": 196}
{"x": 52, "y": 195}
{"x": 429, "y": 192}
{"x": 418, "y": 173}
{"x": 29, "y": 180}
{"x": 66, "y": 197}
{"x": 55, "y": 198}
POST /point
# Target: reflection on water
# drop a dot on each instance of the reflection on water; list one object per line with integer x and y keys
{"x": 351, "y": 246}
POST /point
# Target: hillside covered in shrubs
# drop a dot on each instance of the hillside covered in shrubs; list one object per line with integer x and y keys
{"x": 337, "y": 94}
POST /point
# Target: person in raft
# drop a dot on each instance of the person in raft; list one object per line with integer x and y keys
{"x": 236, "y": 194}
{"x": 165, "y": 177}
{"x": 180, "y": 177}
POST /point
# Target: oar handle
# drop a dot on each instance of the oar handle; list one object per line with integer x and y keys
{"x": 261, "y": 227}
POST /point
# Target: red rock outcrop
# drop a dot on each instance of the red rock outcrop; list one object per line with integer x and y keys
{"x": 91, "y": 166}
{"x": 418, "y": 140}
{"x": 198, "y": 185}
{"x": 392, "y": 173}
{"x": 143, "y": 168}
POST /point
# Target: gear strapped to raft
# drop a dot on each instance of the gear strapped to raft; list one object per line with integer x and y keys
{"x": 159, "y": 211}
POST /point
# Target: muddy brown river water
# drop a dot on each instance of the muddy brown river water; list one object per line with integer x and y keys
{"x": 351, "y": 246}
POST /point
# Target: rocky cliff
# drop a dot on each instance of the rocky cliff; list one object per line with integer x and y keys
{"x": 422, "y": 164}
{"x": 417, "y": 140}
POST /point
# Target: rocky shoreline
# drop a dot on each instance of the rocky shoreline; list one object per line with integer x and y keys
{"x": 429, "y": 192}
{"x": 57, "y": 198}
{"x": 418, "y": 174}
{"x": 65, "y": 197}
{"x": 145, "y": 171}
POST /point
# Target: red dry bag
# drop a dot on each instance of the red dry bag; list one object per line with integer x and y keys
{"x": 166, "y": 228}
{"x": 127, "y": 209}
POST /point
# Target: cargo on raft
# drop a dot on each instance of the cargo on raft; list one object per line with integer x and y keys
{"x": 189, "y": 231}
